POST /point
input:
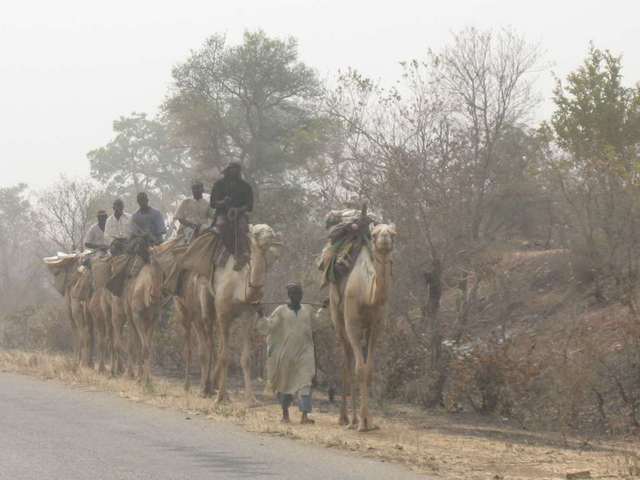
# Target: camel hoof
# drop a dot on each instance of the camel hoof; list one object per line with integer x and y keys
{"x": 365, "y": 428}
{"x": 344, "y": 421}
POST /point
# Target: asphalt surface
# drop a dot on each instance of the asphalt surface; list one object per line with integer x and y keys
{"x": 52, "y": 431}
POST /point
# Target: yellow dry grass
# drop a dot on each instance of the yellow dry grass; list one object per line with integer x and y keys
{"x": 443, "y": 446}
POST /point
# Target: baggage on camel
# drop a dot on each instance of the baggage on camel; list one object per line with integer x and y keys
{"x": 349, "y": 233}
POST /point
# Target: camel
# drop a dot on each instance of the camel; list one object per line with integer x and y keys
{"x": 235, "y": 294}
{"x": 357, "y": 307}
{"x": 68, "y": 273}
{"x": 142, "y": 300}
{"x": 195, "y": 307}
{"x": 102, "y": 307}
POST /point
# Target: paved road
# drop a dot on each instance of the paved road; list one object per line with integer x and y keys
{"x": 49, "y": 431}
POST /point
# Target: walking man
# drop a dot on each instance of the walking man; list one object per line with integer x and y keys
{"x": 291, "y": 365}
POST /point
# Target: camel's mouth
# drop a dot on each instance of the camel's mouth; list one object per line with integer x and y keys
{"x": 384, "y": 245}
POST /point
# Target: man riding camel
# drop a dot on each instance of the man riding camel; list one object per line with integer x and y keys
{"x": 95, "y": 237}
{"x": 116, "y": 232}
{"x": 193, "y": 214}
{"x": 147, "y": 221}
{"x": 232, "y": 200}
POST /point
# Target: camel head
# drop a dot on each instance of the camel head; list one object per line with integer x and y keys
{"x": 383, "y": 237}
{"x": 263, "y": 237}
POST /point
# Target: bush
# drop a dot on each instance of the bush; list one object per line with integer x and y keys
{"x": 44, "y": 327}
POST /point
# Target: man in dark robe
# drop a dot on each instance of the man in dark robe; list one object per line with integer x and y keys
{"x": 232, "y": 200}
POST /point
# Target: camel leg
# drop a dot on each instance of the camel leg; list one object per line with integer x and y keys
{"x": 365, "y": 383}
{"x": 347, "y": 377}
{"x": 183, "y": 317}
{"x": 353, "y": 329}
{"x": 80, "y": 317}
{"x": 118, "y": 320}
{"x": 75, "y": 334}
{"x": 245, "y": 357}
{"x": 202, "y": 357}
{"x": 147, "y": 337}
{"x": 96, "y": 314}
{"x": 206, "y": 326}
{"x": 335, "y": 308}
{"x": 224, "y": 323}
{"x": 134, "y": 344}
{"x": 90, "y": 336}
{"x": 117, "y": 324}
{"x": 107, "y": 313}
{"x": 207, "y": 371}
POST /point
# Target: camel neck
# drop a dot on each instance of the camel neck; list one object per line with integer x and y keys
{"x": 382, "y": 277}
{"x": 257, "y": 273}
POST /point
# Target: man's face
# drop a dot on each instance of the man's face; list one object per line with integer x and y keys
{"x": 143, "y": 200}
{"x": 102, "y": 220}
{"x": 197, "y": 191}
{"x": 118, "y": 208}
{"x": 232, "y": 172}
{"x": 295, "y": 295}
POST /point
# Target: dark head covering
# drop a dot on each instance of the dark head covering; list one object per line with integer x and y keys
{"x": 293, "y": 286}
{"x": 232, "y": 164}
{"x": 196, "y": 183}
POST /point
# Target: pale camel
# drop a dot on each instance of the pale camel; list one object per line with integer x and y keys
{"x": 357, "y": 306}
{"x": 236, "y": 294}
{"x": 142, "y": 300}
{"x": 102, "y": 307}
{"x": 195, "y": 308}
{"x": 69, "y": 272}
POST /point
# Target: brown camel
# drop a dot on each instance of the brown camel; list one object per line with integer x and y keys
{"x": 235, "y": 295}
{"x": 195, "y": 308}
{"x": 142, "y": 299}
{"x": 357, "y": 306}
{"x": 72, "y": 281}
{"x": 102, "y": 307}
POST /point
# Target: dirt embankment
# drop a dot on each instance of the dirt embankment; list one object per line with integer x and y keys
{"x": 445, "y": 446}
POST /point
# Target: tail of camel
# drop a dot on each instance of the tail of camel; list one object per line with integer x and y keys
{"x": 357, "y": 307}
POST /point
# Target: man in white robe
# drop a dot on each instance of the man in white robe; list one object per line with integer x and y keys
{"x": 291, "y": 365}
{"x": 117, "y": 228}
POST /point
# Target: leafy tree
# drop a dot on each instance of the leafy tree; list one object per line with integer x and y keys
{"x": 140, "y": 158}
{"x": 594, "y": 164}
{"x": 252, "y": 102}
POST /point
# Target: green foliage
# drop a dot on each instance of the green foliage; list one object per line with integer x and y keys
{"x": 251, "y": 102}
{"x": 140, "y": 158}
{"x": 597, "y": 119}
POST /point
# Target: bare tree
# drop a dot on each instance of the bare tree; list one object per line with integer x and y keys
{"x": 67, "y": 209}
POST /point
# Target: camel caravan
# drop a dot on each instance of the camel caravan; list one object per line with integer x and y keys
{"x": 215, "y": 269}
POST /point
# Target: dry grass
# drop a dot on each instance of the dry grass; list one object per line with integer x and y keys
{"x": 445, "y": 446}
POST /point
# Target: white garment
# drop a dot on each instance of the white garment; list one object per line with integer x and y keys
{"x": 194, "y": 211}
{"x": 95, "y": 236}
{"x": 117, "y": 227}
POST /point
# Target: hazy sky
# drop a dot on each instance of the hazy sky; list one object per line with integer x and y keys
{"x": 69, "y": 68}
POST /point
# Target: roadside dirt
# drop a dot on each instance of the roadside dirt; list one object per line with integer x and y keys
{"x": 443, "y": 445}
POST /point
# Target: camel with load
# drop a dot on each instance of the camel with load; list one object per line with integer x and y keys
{"x": 357, "y": 306}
